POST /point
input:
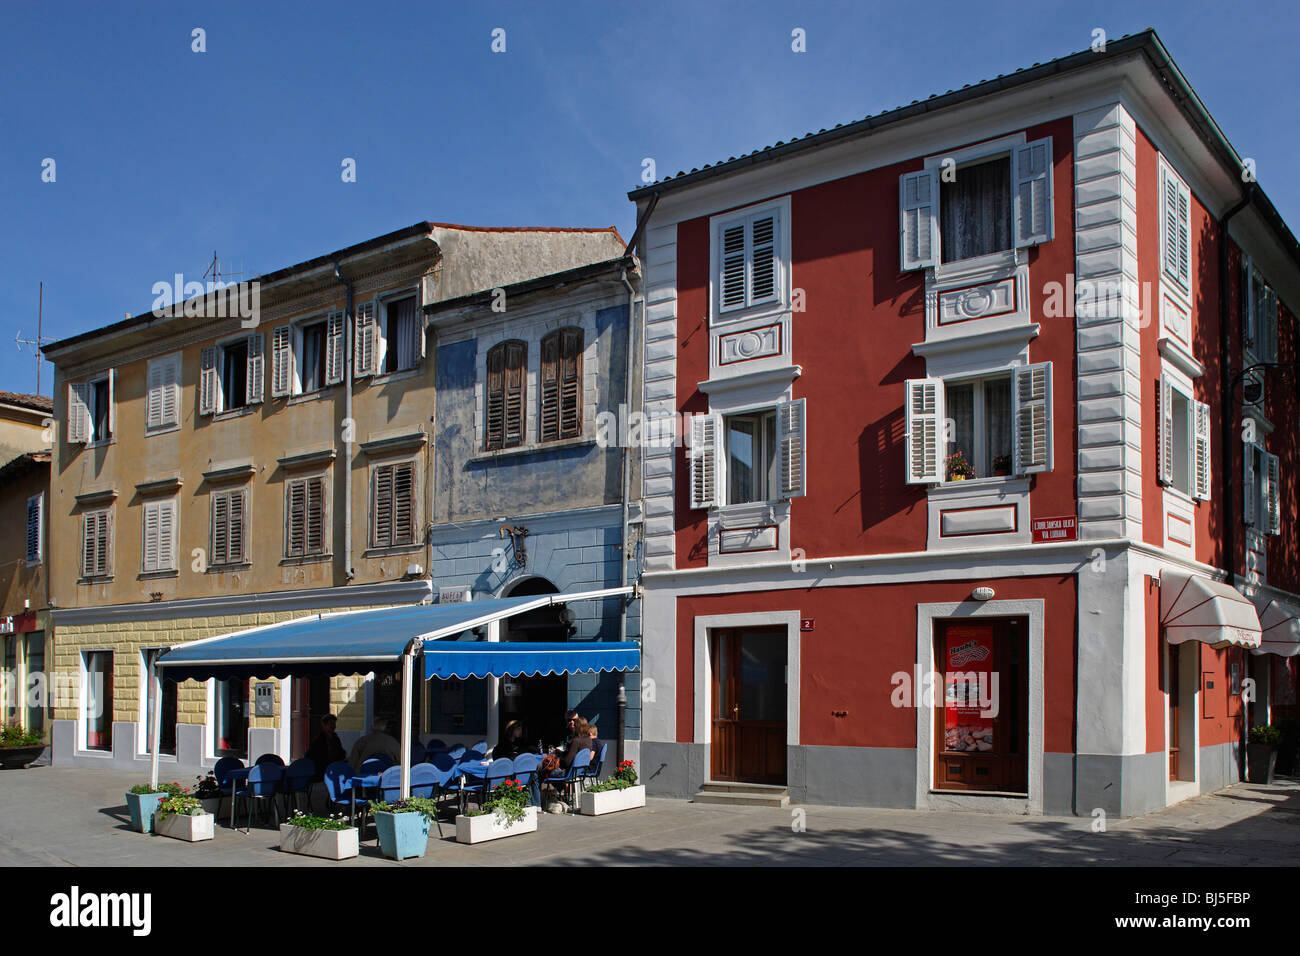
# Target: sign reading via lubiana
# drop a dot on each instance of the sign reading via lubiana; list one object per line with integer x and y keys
{"x": 1055, "y": 529}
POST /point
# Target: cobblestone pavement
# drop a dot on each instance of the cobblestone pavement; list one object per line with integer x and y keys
{"x": 56, "y": 816}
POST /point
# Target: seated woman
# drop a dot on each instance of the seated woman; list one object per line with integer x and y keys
{"x": 581, "y": 741}
{"x": 512, "y": 741}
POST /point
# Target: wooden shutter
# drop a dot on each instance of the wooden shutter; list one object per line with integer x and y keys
{"x": 1201, "y": 451}
{"x": 494, "y": 413}
{"x": 516, "y": 358}
{"x": 35, "y": 505}
{"x": 296, "y": 526}
{"x": 151, "y": 536}
{"x": 1268, "y": 327}
{"x": 570, "y": 383}
{"x": 1248, "y": 318}
{"x": 79, "y": 412}
{"x": 89, "y": 534}
{"x": 208, "y": 382}
{"x": 1273, "y": 468}
{"x": 1031, "y": 199}
{"x": 315, "y": 516}
{"x": 281, "y": 359}
{"x": 732, "y": 258}
{"x": 171, "y": 391}
{"x": 1175, "y": 219}
{"x": 334, "y": 349}
{"x": 253, "y": 386}
{"x": 791, "y": 451}
{"x": 220, "y": 529}
{"x": 1165, "y": 439}
{"x": 549, "y": 406}
{"x": 705, "y": 452}
{"x": 1249, "y": 488}
{"x": 1032, "y": 401}
{"x": 918, "y": 195}
{"x": 382, "y": 507}
{"x": 167, "y": 535}
{"x": 95, "y": 544}
{"x": 923, "y": 435}
{"x": 403, "y": 503}
{"x": 238, "y": 522}
{"x": 366, "y": 340}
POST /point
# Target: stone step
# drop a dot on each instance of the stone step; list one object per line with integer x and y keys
{"x": 743, "y": 794}
{"x": 728, "y": 786}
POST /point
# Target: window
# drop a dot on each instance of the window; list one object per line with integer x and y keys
{"x": 311, "y": 366}
{"x": 35, "y": 664}
{"x": 230, "y": 726}
{"x": 749, "y": 259}
{"x": 305, "y": 517}
{"x": 91, "y": 412}
{"x": 507, "y": 363}
{"x": 1262, "y": 500}
{"x": 98, "y": 714}
{"x": 980, "y": 410}
{"x": 1175, "y": 231}
{"x": 229, "y": 523}
{"x": 11, "y": 686}
{"x": 1184, "y": 440}
{"x": 159, "y": 536}
{"x": 231, "y": 375}
{"x": 1001, "y": 424}
{"x": 561, "y": 394}
{"x": 96, "y": 543}
{"x": 1259, "y": 315}
{"x": 164, "y": 393}
{"x": 167, "y": 738}
{"x": 307, "y": 357}
{"x": 403, "y": 335}
{"x": 991, "y": 203}
{"x": 35, "y": 527}
{"x": 392, "y": 512}
{"x": 752, "y": 457}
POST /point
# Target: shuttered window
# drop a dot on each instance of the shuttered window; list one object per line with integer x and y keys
{"x": 392, "y": 506}
{"x": 96, "y": 543}
{"x": 159, "y": 550}
{"x": 305, "y": 517}
{"x": 163, "y": 402}
{"x": 749, "y": 260}
{"x": 561, "y": 393}
{"x": 1259, "y": 315}
{"x": 281, "y": 362}
{"x": 505, "y": 412}
{"x": 35, "y": 521}
{"x": 229, "y": 527}
{"x": 1175, "y": 230}
{"x": 404, "y": 335}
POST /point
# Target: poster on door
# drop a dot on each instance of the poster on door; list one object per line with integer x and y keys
{"x": 967, "y": 690}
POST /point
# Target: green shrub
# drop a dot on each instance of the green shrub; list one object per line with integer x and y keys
{"x": 423, "y": 805}
{"x": 300, "y": 819}
{"x": 181, "y": 806}
{"x": 171, "y": 789}
{"x": 1270, "y": 734}
{"x": 11, "y": 735}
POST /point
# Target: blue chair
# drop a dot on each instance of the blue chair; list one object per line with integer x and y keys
{"x": 376, "y": 764}
{"x": 435, "y": 744}
{"x": 457, "y": 751}
{"x": 418, "y": 753}
{"x": 443, "y": 761}
{"x": 297, "y": 782}
{"x": 338, "y": 788}
{"x": 593, "y": 771}
{"x": 477, "y": 752}
{"x": 566, "y": 779}
{"x": 390, "y": 784}
{"x": 221, "y": 772}
{"x": 275, "y": 759}
{"x": 426, "y": 779}
{"x": 526, "y": 770}
{"x": 262, "y": 783}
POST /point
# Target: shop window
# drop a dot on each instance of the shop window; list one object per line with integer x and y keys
{"x": 98, "y": 714}
{"x": 230, "y": 727}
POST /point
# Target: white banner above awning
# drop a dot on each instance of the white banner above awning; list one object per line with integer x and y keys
{"x": 1197, "y": 608}
{"x": 1280, "y": 623}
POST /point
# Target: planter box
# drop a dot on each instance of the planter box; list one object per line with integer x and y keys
{"x": 611, "y": 801}
{"x": 142, "y": 807}
{"x": 327, "y": 844}
{"x": 211, "y": 804}
{"x": 1260, "y": 760}
{"x": 17, "y": 758}
{"x": 487, "y": 827}
{"x": 402, "y": 835}
{"x": 181, "y": 826}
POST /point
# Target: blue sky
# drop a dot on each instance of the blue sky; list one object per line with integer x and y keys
{"x": 164, "y": 155}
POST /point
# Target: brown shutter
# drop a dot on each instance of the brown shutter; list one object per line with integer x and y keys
{"x": 549, "y": 412}
{"x": 570, "y": 383}
{"x": 220, "y": 528}
{"x": 297, "y": 518}
{"x": 89, "y": 523}
{"x": 383, "y": 506}
{"x": 315, "y": 532}
{"x": 516, "y": 360}
{"x": 494, "y": 425}
{"x": 237, "y": 506}
{"x": 403, "y": 512}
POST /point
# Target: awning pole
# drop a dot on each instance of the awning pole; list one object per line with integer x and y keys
{"x": 155, "y": 721}
{"x": 493, "y": 692}
{"x": 406, "y": 724}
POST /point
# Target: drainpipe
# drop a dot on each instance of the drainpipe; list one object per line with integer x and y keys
{"x": 627, "y": 486}
{"x": 1229, "y": 544}
{"x": 348, "y": 324}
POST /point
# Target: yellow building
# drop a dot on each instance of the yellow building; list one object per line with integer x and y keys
{"x": 256, "y": 454}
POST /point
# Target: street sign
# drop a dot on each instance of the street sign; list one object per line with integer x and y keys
{"x": 1054, "y": 529}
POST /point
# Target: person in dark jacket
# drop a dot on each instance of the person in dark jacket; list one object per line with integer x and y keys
{"x": 512, "y": 741}
{"x": 326, "y": 748}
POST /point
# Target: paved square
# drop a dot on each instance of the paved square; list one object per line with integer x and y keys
{"x": 58, "y": 816}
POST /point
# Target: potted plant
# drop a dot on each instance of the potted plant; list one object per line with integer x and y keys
{"x": 330, "y": 838}
{"x": 959, "y": 469}
{"x": 18, "y": 747}
{"x": 206, "y": 791}
{"x": 403, "y": 826}
{"x": 1001, "y": 465}
{"x": 142, "y": 801}
{"x": 619, "y": 792}
{"x": 1261, "y": 753}
{"x": 183, "y": 818}
{"x": 505, "y": 813}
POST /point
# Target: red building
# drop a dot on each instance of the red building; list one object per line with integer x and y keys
{"x": 976, "y": 509}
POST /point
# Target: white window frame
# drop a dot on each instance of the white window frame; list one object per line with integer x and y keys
{"x": 776, "y": 306}
{"x": 296, "y": 351}
{"x": 381, "y": 304}
{"x": 166, "y": 562}
{"x": 107, "y": 570}
{"x": 95, "y": 440}
{"x": 164, "y": 423}
{"x": 39, "y": 498}
{"x": 771, "y": 479}
{"x": 83, "y": 700}
{"x": 979, "y": 423}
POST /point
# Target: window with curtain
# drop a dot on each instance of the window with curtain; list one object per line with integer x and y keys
{"x": 975, "y": 210}
{"x": 751, "y": 457}
{"x": 980, "y": 411}
{"x": 404, "y": 335}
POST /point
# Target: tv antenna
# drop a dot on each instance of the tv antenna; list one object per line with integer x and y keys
{"x": 216, "y": 278}
{"x": 36, "y": 343}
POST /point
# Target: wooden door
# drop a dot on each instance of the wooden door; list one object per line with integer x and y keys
{"x": 749, "y": 699}
{"x": 981, "y": 716}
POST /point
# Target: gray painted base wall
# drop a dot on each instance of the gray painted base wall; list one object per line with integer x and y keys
{"x": 1121, "y": 786}
{"x": 183, "y": 767}
{"x": 852, "y": 776}
{"x": 1219, "y": 766}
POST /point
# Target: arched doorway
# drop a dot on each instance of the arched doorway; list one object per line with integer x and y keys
{"x": 538, "y": 701}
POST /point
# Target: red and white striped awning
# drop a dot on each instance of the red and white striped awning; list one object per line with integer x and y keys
{"x": 1280, "y": 623}
{"x": 1197, "y": 608}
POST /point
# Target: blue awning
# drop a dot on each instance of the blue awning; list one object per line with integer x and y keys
{"x": 353, "y": 642}
{"x": 462, "y": 659}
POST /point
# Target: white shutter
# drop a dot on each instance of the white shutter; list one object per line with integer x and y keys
{"x": 112, "y": 406}
{"x": 1201, "y": 451}
{"x": 366, "y": 340}
{"x": 1165, "y": 439}
{"x": 918, "y": 208}
{"x": 153, "y": 415}
{"x": 924, "y": 438}
{"x": 1175, "y": 228}
{"x": 334, "y": 349}
{"x": 79, "y": 412}
{"x": 208, "y": 382}
{"x": 1031, "y": 396}
{"x": 705, "y": 451}
{"x": 1268, "y": 328}
{"x": 731, "y": 258}
{"x": 151, "y": 514}
{"x": 1031, "y": 197}
{"x": 1274, "y": 470}
{"x": 281, "y": 356}
{"x": 791, "y": 426}
{"x": 1250, "y": 488}
{"x": 764, "y": 257}
{"x": 253, "y": 383}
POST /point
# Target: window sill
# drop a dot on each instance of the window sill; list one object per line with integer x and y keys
{"x": 1010, "y": 484}
{"x": 161, "y": 430}
{"x": 156, "y": 575}
{"x": 532, "y": 449}
{"x": 298, "y": 560}
{"x": 383, "y": 378}
{"x": 300, "y": 398}
{"x": 100, "y": 444}
{"x": 962, "y": 269}
{"x": 1183, "y": 496}
{"x": 395, "y": 549}
{"x": 763, "y": 311}
{"x": 96, "y": 579}
{"x": 224, "y": 568}
{"x": 228, "y": 413}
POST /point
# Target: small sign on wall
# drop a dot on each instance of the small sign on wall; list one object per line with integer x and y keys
{"x": 1065, "y": 528}
{"x": 510, "y": 687}
{"x": 459, "y": 595}
{"x": 807, "y": 623}
{"x": 264, "y": 700}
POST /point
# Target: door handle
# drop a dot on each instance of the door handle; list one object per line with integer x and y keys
{"x": 736, "y": 709}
